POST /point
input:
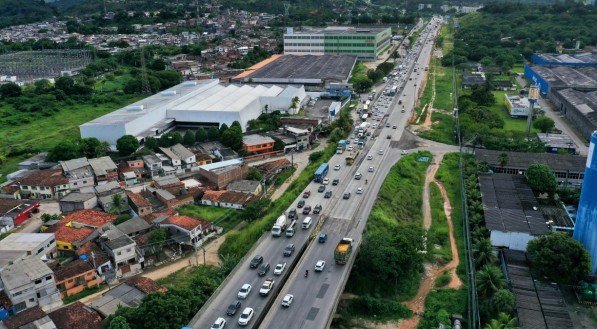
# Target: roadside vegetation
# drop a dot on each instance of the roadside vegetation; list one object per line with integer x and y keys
{"x": 390, "y": 251}
{"x": 223, "y": 217}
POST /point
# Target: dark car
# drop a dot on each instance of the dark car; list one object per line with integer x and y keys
{"x": 317, "y": 209}
{"x": 256, "y": 261}
{"x": 328, "y": 194}
{"x": 292, "y": 214}
{"x": 322, "y": 237}
{"x": 335, "y": 181}
{"x": 289, "y": 250}
{"x": 346, "y": 196}
{"x": 300, "y": 204}
{"x": 306, "y": 194}
{"x": 321, "y": 188}
{"x": 233, "y": 308}
{"x": 263, "y": 269}
{"x": 306, "y": 210}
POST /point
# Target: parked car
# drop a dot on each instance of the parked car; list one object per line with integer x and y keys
{"x": 258, "y": 259}
{"x": 289, "y": 250}
{"x": 263, "y": 269}
{"x": 233, "y": 308}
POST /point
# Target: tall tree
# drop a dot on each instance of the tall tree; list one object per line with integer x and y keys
{"x": 10, "y": 89}
{"x": 201, "y": 135}
{"x": 503, "y": 159}
{"x": 233, "y": 138}
{"x": 151, "y": 143}
{"x": 127, "y": 145}
{"x": 189, "y": 138}
{"x": 118, "y": 322}
{"x": 483, "y": 253}
{"x": 118, "y": 204}
{"x": 541, "y": 179}
{"x": 223, "y": 129}
{"x": 503, "y": 321}
{"x": 489, "y": 280}
{"x": 559, "y": 257}
{"x": 213, "y": 134}
{"x": 65, "y": 150}
{"x": 544, "y": 124}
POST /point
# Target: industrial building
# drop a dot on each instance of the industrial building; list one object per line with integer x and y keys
{"x": 585, "y": 229}
{"x": 560, "y": 77}
{"x": 574, "y": 60}
{"x": 301, "y": 70}
{"x": 366, "y": 43}
{"x": 556, "y": 143}
{"x": 579, "y": 107}
{"x": 518, "y": 106}
{"x": 192, "y": 103}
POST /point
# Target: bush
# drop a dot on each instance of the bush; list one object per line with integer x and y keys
{"x": 315, "y": 156}
{"x": 376, "y": 308}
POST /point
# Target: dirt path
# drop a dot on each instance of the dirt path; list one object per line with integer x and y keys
{"x": 432, "y": 271}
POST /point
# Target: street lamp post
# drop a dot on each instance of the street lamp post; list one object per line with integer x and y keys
{"x": 533, "y": 97}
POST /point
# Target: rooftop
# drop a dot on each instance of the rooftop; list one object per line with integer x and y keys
{"x": 23, "y": 272}
{"x": 566, "y": 76}
{"x": 569, "y": 58}
{"x": 222, "y": 164}
{"x": 101, "y": 166}
{"x": 584, "y": 102}
{"x": 24, "y": 241}
{"x": 112, "y": 237}
{"x": 274, "y": 165}
{"x": 521, "y": 160}
{"x": 73, "y": 269}
{"x": 186, "y": 222}
{"x": 228, "y": 197}
{"x": 137, "y": 199}
{"x": 166, "y": 180}
{"x": 135, "y": 224}
{"x": 76, "y": 315}
{"x": 74, "y": 164}
{"x": 122, "y": 295}
{"x": 169, "y": 153}
{"x": 77, "y": 197}
{"x": 256, "y": 139}
{"x": 556, "y": 140}
{"x": 518, "y": 101}
{"x": 90, "y": 217}
{"x": 243, "y": 185}
{"x": 181, "y": 151}
{"x": 23, "y": 318}
{"x": 510, "y": 205}
{"x": 46, "y": 177}
{"x": 339, "y": 30}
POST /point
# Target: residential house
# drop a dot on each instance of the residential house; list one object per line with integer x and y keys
{"x": 172, "y": 158}
{"x": 77, "y": 201}
{"x": 76, "y": 276}
{"x": 272, "y": 168}
{"x": 301, "y": 136}
{"x": 121, "y": 249}
{"x": 170, "y": 200}
{"x": 221, "y": 173}
{"x": 105, "y": 195}
{"x": 10, "y": 190}
{"x": 216, "y": 149}
{"x": 139, "y": 204}
{"x": 129, "y": 178}
{"x": 257, "y": 144}
{"x": 16, "y": 210}
{"x": 134, "y": 226}
{"x": 76, "y": 315}
{"x": 187, "y": 230}
{"x": 104, "y": 169}
{"x": 169, "y": 183}
{"x": 22, "y": 245}
{"x": 33, "y": 318}
{"x": 127, "y": 294}
{"x": 29, "y": 282}
{"x": 245, "y": 186}
{"x": 101, "y": 261}
{"x": 227, "y": 199}
{"x": 76, "y": 230}
{"x": 45, "y": 184}
{"x": 188, "y": 158}
{"x": 79, "y": 173}
{"x": 137, "y": 167}
{"x": 202, "y": 158}
{"x": 36, "y": 162}
{"x": 153, "y": 165}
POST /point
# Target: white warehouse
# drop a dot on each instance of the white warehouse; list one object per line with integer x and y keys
{"x": 204, "y": 102}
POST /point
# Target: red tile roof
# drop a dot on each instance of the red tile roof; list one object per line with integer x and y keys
{"x": 69, "y": 234}
{"x": 72, "y": 270}
{"x": 228, "y": 197}
{"x": 90, "y": 217}
{"x": 146, "y": 285}
{"x": 76, "y": 315}
{"x": 151, "y": 217}
{"x": 273, "y": 165}
{"x": 25, "y": 317}
{"x": 47, "y": 177}
{"x": 138, "y": 200}
{"x": 186, "y": 222}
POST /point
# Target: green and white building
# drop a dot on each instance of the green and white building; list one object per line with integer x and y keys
{"x": 366, "y": 43}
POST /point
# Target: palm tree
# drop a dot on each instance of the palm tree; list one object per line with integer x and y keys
{"x": 489, "y": 280}
{"x": 503, "y": 321}
{"x": 117, "y": 204}
{"x": 483, "y": 253}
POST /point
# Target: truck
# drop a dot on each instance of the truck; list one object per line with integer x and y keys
{"x": 351, "y": 157}
{"x": 394, "y": 90}
{"x": 343, "y": 250}
{"x": 321, "y": 172}
{"x": 280, "y": 225}
{"x": 341, "y": 146}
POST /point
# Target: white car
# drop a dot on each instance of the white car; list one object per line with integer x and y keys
{"x": 320, "y": 265}
{"x": 370, "y": 169}
{"x": 403, "y": 152}
{"x": 219, "y": 324}
{"x": 244, "y": 291}
{"x": 287, "y": 300}
{"x": 360, "y": 190}
{"x": 336, "y": 167}
{"x": 246, "y": 316}
{"x": 380, "y": 152}
{"x": 279, "y": 268}
{"x": 370, "y": 157}
{"x": 326, "y": 181}
{"x": 350, "y": 147}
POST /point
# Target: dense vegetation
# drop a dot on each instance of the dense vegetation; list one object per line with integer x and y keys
{"x": 15, "y": 12}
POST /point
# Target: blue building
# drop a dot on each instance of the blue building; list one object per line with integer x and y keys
{"x": 571, "y": 60}
{"x": 560, "y": 77}
{"x": 585, "y": 230}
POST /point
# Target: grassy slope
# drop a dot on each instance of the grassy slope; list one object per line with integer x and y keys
{"x": 224, "y": 217}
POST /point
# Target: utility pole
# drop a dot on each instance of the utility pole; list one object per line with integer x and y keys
{"x": 145, "y": 87}
{"x": 533, "y": 97}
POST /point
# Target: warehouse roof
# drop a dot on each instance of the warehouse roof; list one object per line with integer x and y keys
{"x": 521, "y": 160}
{"x": 333, "y": 30}
{"x": 569, "y": 58}
{"x": 584, "y": 102}
{"x": 510, "y": 205}
{"x": 566, "y": 76}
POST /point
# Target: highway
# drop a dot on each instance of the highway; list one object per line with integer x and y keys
{"x": 316, "y": 296}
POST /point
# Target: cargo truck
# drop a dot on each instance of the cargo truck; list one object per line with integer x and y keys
{"x": 280, "y": 225}
{"x": 341, "y": 146}
{"x": 343, "y": 250}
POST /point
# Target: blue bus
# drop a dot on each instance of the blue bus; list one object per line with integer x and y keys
{"x": 321, "y": 172}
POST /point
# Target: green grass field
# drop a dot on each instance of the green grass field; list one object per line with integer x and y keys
{"x": 518, "y": 124}
{"x": 224, "y": 217}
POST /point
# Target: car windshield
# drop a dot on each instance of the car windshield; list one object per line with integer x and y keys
{"x": 244, "y": 315}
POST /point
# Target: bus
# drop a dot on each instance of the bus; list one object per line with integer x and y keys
{"x": 394, "y": 90}
{"x": 321, "y": 172}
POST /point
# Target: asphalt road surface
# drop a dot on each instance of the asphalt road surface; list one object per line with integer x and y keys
{"x": 315, "y": 296}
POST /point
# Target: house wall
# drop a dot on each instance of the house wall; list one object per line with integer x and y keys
{"x": 259, "y": 148}
{"x": 77, "y": 183}
{"x": 78, "y": 283}
{"x": 135, "y": 163}
{"x": 26, "y": 296}
{"x": 79, "y": 205}
{"x": 221, "y": 180}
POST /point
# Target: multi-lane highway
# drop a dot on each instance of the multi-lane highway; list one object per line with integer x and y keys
{"x": 316, "y": 296}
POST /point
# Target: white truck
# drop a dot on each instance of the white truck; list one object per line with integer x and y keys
{"x": 280, "y": 225}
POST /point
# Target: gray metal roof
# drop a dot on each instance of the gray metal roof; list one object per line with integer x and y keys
{"x": 181, "y": 151}
{"x": 102, "y": 165}
{"x": 256, "y": 139}
{"x": 77, "y": 197}
{"x": 123, "y": 295}
{"x": 243, "y": 185}
{"x": 297, "y": 69}
{"x": 521, "y": 160}
{"x": 112, "y": 237}
{"x": 151, "y": 159}
{"x": 339, "y": 30}
{"x": 510, "y": 205}
{"x": 133, "y": 225}
{"x": 169, "y": 153}
{"x": 565, "y": 76}
{"x": 166, "y": 180}
{"x": 23, "y": 272}
{"x": 74, "y": 164}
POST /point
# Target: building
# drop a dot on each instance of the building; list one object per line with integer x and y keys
{"x": 76, "y": 230}
{"x": 569, "y": 169}
{"x": 33, "y": 318}
{"x": 179, "y": 157}
{"x": 169, "y": 183}
{"x": 36, "y": 162}
{"x": 141, "y": 206}
{"x": 16, "y": 210}
{"x": 203, "y": 158}
{"x": 511, "y": 211}
{"x": 470, "y": 79}
{"x": 126, "y": 294}
{"x": 245, "y": 186}
{"x": 199, "y": 103}
{"x": 227, "y": 199}
{"x": 585, "y": 230}
{"x": 315, "y": 70}
{"x": 187, "y": 230}
{"x": 153, "y": 165}
{"x": 104, "y": 169}
{"x": 45, "y": 184}
{"x": 517, "y": 106}
{"x": 579, "y": 107}
{"x": 22, "y": 245}
{"x": 77, "y": 201}
{"x": 76, "y": 315}
{"x": 367, "y": 43}
{"x": 557, "y": 143}
{"x": 573, "y": 60}
{"x": 134, "y": 226}
{"x": 222, "y": 173}
{"x": 561, "y": 77}
{"x": 132, "y": 171}
{"x": 121, "y": 249}
{"x": 76, "y": 276}
{"x": 301, "y": 136}
{"x": 272, "y": 168}
{"x": 257, "y": 144}
{"x": 79, "y": 173}
{"x": 29, "y": 282}
{"x": 218, "y": 150}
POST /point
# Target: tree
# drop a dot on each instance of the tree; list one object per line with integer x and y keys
{"x": 278, "y": 144}
{"x": 64, "y": 150}
{"x": 559, "y": 257}
{"x": 489, "y": 280}
{"x": 483, "y": 253}
{"x": 254, "y": 174}
{"x": 42, "y": 86}
{"x": 361, "y": 83}
{"x": 503, "y": 321}
{"x": 119, "y": 322}
{"x": 189, "y": 138}
{"x": 482, "y": 95}
{"x": 127, "y": 145}
{"x": 157, "y": 240}
{"x": 541, "y": 179}
{"x": 544, "y": 124}
{"x": 66, "y": 84}
{"x": 175, "y": 137}
{"x": 502, "y": 301}
{"x": 151, "y": 143}
{"x": 233, "y": 138}
{"x": 237, "y": 125}
{"x": 336, "y": 135}
{"x": 223, "y": 129}
{"x": 10, "y": 89}
{"x": 255, "y": 209}
{"x": 118, "y": 204}
{"x": 295, "y": 102}
{"x": 503, "y": 159}
{"x": 89, "y": 146}
{"x": 213, "y": 134}
{"x": 315, "y": 156}
{"x": 200, "y": 135}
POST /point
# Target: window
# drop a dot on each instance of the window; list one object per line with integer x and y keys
{"x": 75, "y": 183}
{"x": 128, "y": 250}
{"x": 31, "y": 300}
{"x": 119, "y": 253}
{"x": 48, "y": 278}
{"x": 38, "y": 281}
{"x": 40, "y": 250}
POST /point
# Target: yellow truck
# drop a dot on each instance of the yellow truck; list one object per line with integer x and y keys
{"x": 343, "y": 250}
